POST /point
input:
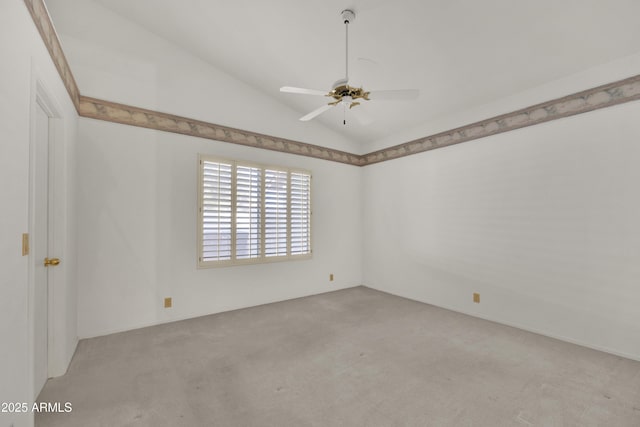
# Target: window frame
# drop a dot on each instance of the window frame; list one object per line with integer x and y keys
{"x": 263, "y": 258}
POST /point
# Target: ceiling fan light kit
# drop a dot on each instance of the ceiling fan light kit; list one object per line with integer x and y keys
{"x": 347, "y": 95}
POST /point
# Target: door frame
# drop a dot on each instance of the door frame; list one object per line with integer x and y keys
{"x": 42, "y": 96}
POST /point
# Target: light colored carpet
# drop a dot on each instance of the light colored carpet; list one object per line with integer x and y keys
{"x": 355, "y": 357}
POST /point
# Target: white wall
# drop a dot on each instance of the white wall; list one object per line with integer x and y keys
{"x": 24, "y": 58}
{"x": 137, "y": 187}
{"x": 137, "y": 207}
{"x": 541, "y": 221}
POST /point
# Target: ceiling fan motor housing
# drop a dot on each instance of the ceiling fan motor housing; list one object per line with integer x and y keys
{"x": 347, "y": 91}
{"x": 339, "y": 83}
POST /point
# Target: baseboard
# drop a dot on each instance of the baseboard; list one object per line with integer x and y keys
{"x": 194, "y": 316}
{"x": 521, "y": 327}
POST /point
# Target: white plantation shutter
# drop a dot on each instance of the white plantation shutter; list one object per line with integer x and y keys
{"x": 300, "y": 213}
{"x": 216, "y": 211}
{"x": 276, "y": 215}
{"x": 252, "y": 213}
{"x": 248, "y": 212}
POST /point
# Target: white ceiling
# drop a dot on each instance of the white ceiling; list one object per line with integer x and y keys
{"x": 459, "y": 53}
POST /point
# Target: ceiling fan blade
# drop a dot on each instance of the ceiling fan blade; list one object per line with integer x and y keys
{"x": 361, "y": 116}
{"x": 302, "y": 91}
{"x": 401, "y": 94}
{"x": 316, "y": 112}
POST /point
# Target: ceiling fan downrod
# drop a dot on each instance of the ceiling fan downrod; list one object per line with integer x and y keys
{"x": 348, "y": 16}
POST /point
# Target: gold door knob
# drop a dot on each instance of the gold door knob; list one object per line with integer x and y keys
{"x": 51, "y": 261}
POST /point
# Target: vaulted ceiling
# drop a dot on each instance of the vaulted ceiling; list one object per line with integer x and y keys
{"x": 458, "y": 53}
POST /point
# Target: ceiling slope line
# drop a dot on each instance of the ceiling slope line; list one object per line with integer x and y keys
{"x": 604, "y": 96}
{"x": 42, "y": 20}
{"x": 134, "y": 116}
{"x": 125, "y": 114}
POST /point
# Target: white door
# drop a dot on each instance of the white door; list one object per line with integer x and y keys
{"x": 40, "y": 247}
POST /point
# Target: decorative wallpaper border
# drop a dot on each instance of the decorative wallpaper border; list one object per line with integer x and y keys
{"x": 581, "y": 102}
{"x": 134, "y": 116}
{"x": 41, "y": 18}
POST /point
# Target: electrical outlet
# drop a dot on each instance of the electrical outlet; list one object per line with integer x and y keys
{"x": 331, "y": 277}
{"x": 168, "y": 302}
{"x": 476, "y": 298}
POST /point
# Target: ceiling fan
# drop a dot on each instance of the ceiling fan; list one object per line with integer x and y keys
{"x": 347, "y": 95}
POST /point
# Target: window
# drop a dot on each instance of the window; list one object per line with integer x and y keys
{"x": 250, "y": 213}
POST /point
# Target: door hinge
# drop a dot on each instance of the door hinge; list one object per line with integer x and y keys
{"x": 25, "y": 244}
